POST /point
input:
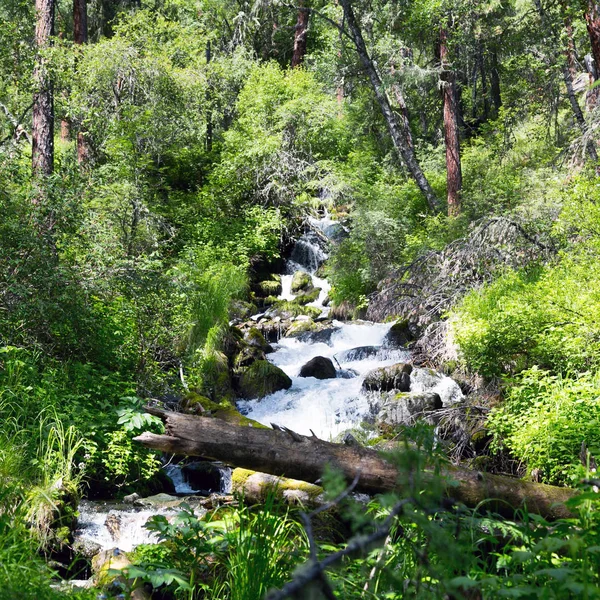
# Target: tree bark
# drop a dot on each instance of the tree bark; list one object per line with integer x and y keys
{"x": 451, "y": 132}
{"x": 300, "y": 35}
{"x": 495, "y": 84}
{"x": 43, "y": 100}
{"x": 285, "y": 453}
{"x": 568, "y": 73}
{"x": 394, "y": 126}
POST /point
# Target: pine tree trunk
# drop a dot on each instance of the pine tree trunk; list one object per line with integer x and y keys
{"x": 394, "y": 126}
{"x": 300, "y": 35}
{"x": 43, "y": 100}
{"x": 495, "y": 84}
{"x": 451, "y": 132}
{"x": 80, "y": 37}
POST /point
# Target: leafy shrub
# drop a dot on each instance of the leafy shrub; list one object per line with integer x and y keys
{"x": 546, "y": 418}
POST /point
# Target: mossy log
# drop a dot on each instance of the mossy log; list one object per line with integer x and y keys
{"x": 288, "y": 454}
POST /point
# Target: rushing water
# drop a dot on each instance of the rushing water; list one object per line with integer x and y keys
{"x": 327, "y": 407}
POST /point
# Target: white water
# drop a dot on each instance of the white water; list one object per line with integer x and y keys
{"x": 327, "y": 406}
{"x": 176, "y": 475}
{"x": 131, "y": 532}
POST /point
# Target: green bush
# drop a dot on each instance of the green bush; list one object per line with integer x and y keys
{"x": 544, "y": 421}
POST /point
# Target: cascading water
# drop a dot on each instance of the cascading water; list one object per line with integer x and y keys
{"x": 329, "y": 406}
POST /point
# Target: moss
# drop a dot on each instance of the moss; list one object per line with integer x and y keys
{"x": 308, "y": 297}
{"x": 269, "y": 288}
{"x": 301, "y": 282}
{"x": 231, "y": 415}
{"x": 299, "y": 327}
{"x": 287, "y": 309}
{"x": 261, "y": 379}
{"x": 196, "y": 404}
{"x": 257, "y": 485}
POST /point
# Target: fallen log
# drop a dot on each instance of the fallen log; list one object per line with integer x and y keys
{"x": 285, "y": 453}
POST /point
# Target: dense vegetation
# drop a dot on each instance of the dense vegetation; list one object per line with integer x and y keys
{"x": 187, "y": 155}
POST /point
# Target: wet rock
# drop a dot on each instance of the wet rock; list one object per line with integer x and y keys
{"x": 247, "y": 356}
{"x": 385, "y": 379}
{"x": 299, "y": 328}
{"x": 86, "y": 548}
{"x": 159, "y": 501}
{"x": 399, "y": 336}
{"x": 131, "y": 498}
{"x": 319, "y": 367}
{"x": 428, "y": 380}
{"x": 113, "y": 525}
{"x": 322, "y": 336}
{"x": 301, "y": 282}
{"x": 242, "y": 310}
{"x": 347, "y": 373}
{"x": 203, "y": 476}
{"x": 308, "y": 297}
{"x": 289, "y": 309}
{"x": 261, "y": 379}
{"x": 254, "y": 338}
{"x": 406, "y": 408}
{"x": 356, "y": 354}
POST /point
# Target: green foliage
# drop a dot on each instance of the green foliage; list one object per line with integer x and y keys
{"x": 544, "y": 421}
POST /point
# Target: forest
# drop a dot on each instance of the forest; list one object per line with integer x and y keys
{"x": 299, "y": 299}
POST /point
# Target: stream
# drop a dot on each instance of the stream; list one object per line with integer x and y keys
{"x": 325, "y": 407}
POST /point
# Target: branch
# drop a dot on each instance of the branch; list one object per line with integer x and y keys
{"x": 16, "y": 123}
{"x": 339, "y": 27}
{"x": 316, "y": 569}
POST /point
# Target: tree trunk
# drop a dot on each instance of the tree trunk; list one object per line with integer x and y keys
{"x": 394, "y": 126}
{"x": 300, "y": 35}
{"x": 495, "y": 84}
{"x": 592, "y": 20}
{"x": 451, "y": 132}
{"x": 285, "y": 453}
{"x": 80, "y": 37}
{"x": 568, "y": 73}
{"x": 43, "y": 101}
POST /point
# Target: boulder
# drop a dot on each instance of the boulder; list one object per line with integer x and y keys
{"x": 202, "y": 475}
{"x": 253, "y": 337}
{"x": 299, "y": 328}
{"x": 355, "y": 354}
{"x": 309, "y": 296}
{"x": 428, "y": 380}
{"x": 268, "y": 288}
{"x": 241, "y": 309}
{"x": 301, "y": 282}
{"x": 260, "y": 379}
{"x": 286, "y": 309}
{"x": 399, "y": 336}
{"x": 385, "y": 379}
{"x": 406, "y": 408}
{"x": 322, "y": 336}
{"x": 319, "y": 367}
{"x": 247, "y": 356}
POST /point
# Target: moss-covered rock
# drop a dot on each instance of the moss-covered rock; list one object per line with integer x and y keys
{"x": 268, "y": 288}
{"x": 195, "y": 404}
{"x": 286, "y": 309}
{"x": 301, "y": 282}
{"x": 240, "y": 309}
{"x": 407, "y": 408}
{"x": 255, "y": 486}
{"x": 385, "y": 379}
{"x": 399, "y": 335}
{"x": 261, "y": 379}
{"x": 299, "y": 327}
{"x": 308, "y": 297}
{"x": 253, "y": 337}
{"x": 247, "y": 356}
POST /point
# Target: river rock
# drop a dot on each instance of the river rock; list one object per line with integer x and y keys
{"x": 203, "y": 476}
{"x": 385, "y": 379}
{"x": 308, "y": 297}
{"x": 86, "y": 548}
{"x": 428, "y": 380}
{"x": 406, "y": 408}
{"x": 253, "y": 337}
{"x": 322, "y": 336}
{"x": 399, "y": 336}
{"x": 247, "y": 356}
{"x": 261, "y": 379}
{"x": 269, "y": 288}
{"x": 159, "y": 501}
{"x": 356, "y": 354}
{"x": 301, "y": 281}
{"x": 131, "y": 498}
{"x": 319, "y": 367}
{"x": 113, "y": 525}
